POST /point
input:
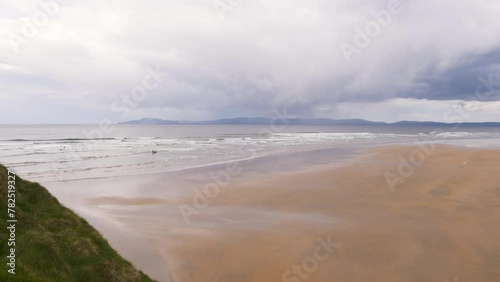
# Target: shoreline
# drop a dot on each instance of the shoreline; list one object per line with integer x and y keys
{"x": 261, "y": 208}
{"x": 142, "y": 162}
{"x": 90, "y": 197}
{"x": 216, "y": 165}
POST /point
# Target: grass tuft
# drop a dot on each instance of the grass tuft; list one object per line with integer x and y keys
{"x": 55, "y": 244}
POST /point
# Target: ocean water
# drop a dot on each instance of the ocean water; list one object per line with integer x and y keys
{"x": 46, "y": 153}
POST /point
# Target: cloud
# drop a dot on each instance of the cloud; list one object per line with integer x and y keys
{"x": 263, "y": 55}
{"x": 398, "y": 109}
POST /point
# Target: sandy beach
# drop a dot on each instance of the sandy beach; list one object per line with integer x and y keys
{"x": 250, "y": 141}
{"x": 333, "y": 217}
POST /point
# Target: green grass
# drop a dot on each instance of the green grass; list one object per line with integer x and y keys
{"x": 54, "y": 244}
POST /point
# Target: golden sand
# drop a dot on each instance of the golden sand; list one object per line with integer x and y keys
{"x": 442, "y": 223}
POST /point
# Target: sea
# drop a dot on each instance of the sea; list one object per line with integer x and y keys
{"x": 48, "y": 153}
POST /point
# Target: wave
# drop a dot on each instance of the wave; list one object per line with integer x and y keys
{"x": 58, "y": 139}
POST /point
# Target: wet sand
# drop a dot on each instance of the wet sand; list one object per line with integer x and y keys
{"x": 319, "y": 222}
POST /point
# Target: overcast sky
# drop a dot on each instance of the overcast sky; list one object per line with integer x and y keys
{"x": 77, "y": 61}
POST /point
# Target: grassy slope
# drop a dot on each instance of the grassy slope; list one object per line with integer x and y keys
{"x": 54, "y": 244}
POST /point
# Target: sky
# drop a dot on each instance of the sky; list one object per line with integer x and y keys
{"x": 76, "y": 61}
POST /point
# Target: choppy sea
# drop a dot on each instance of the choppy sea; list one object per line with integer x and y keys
{"x": 47, "y": 153}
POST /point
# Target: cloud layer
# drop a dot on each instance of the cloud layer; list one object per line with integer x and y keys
{"x": 248, "y": 58}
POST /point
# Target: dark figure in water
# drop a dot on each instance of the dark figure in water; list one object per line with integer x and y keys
{"x": 154, "y": 152}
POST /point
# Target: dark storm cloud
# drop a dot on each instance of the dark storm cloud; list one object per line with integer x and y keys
{"x": 462, "y": 81}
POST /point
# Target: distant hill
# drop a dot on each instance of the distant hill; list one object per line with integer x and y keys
{"x": 152, "y": 121}
{"x": 259, "y": 120}
{"x": 432, "y": 123}
{"x": 291, "y": 121}
{"x": 311, "y": 121}
{"x": 53, "y": 243}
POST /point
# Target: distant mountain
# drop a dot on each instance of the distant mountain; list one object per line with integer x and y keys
{"x": 292, "y": 121}
{"x": 151, "y": 121}
{"x": 259, "y": 121}
{"x": 433, "y": 123}
{"x": 306, "y": 121}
